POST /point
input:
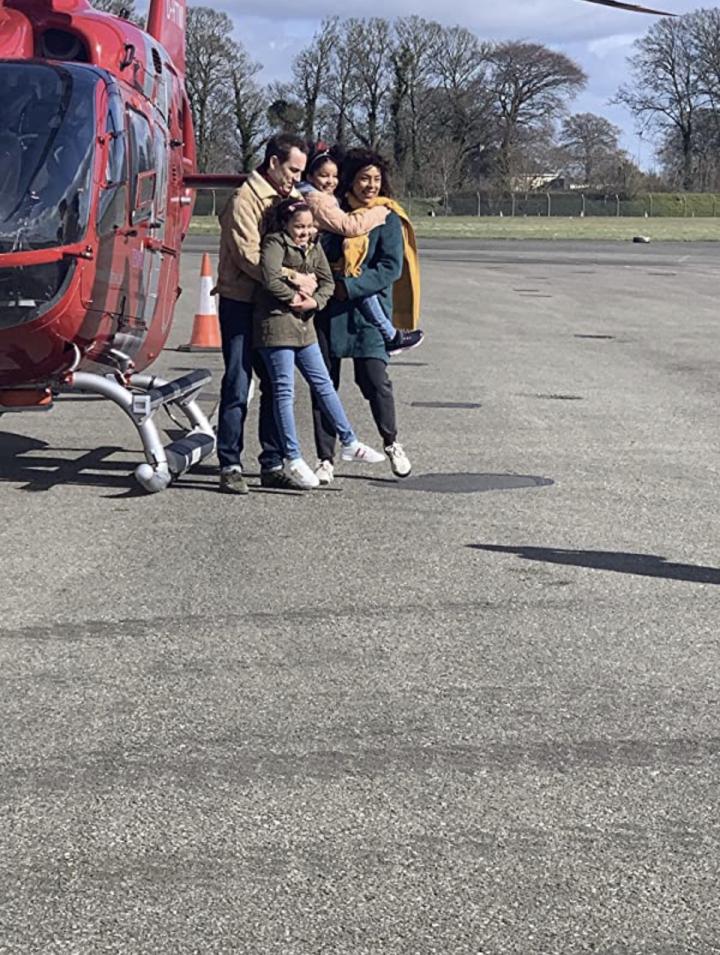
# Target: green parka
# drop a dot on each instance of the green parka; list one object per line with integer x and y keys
{"x": 275, "y": 324}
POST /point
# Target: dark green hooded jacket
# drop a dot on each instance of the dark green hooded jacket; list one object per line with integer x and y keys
{"x": 275, "y": 324}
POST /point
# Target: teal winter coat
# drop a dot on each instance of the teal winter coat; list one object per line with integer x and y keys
{"x": 351, "y": 335}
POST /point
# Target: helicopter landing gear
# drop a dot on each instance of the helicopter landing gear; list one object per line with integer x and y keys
{"x": 140, "y": 396}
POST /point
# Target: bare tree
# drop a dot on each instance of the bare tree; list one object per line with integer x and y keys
{"x": 536, "y": 156}
{"x": 459, "y": 69}
{"x": 401, "y": 65}
{"x": 339, "y": 90}
{"x": 444, "y": 173}
{"x": 530, "y": 83}
{"x": 591, "y": 145}
{"x": 705, "y": 154}
{"x": 250, "y": 108}
{"x": 371, "y": 45}
{"x": 415, "y": 41}
{"x": 311, "y": 69}
{"x": 461, "y": 106}
{"x": 666, "y": 91}
{"x": 703, "y": 29}
{"x": 210, "y": 57}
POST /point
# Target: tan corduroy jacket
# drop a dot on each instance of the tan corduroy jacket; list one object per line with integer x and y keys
{"x": 329, "y": 217}
{"x": 241, "y": 231}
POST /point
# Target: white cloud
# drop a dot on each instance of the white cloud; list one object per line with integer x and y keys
{"x": 608, "y": 45}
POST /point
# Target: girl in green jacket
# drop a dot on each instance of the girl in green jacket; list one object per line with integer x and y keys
{"x": 284, "y": 333}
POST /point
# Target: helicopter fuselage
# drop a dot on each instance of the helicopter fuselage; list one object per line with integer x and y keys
{"x": 95, "y": 141}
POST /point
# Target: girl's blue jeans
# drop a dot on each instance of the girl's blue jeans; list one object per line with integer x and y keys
{"x": 372, "y": 310}
{"x": 281, "y": 364}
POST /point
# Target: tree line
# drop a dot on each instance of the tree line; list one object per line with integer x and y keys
{"x": 453, "y": 111}
{"x": 456, "y": 112}
{"x": 675, "y": 94}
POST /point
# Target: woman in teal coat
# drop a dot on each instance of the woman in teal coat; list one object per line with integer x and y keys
{"x": 342, "y": 330}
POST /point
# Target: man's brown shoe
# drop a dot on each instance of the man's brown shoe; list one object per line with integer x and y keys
{"x": 233, "y": 482}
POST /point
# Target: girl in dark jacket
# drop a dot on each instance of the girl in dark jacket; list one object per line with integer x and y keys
{"x": 284, "y": 332}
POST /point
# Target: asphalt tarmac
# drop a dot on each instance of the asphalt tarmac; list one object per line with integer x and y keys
{"x": 472, "y": 712}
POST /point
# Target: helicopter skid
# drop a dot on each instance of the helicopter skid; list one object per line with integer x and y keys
{"x": 140, "y": 398}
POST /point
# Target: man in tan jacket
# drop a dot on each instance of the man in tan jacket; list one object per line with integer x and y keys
{"x": 241, "y": 228}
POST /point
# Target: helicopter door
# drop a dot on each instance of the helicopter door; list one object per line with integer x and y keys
{"x": 112, "y": 214}
{"x": 143, "y": 168}
{"x": 108, "y": 323}
{"x": 165, "y": 238}
{"x": 145, "y": 261}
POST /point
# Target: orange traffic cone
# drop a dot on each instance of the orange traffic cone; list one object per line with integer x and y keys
{"x": 206, "y": 328}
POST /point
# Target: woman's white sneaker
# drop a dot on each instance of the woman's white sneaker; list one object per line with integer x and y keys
{"x": 399, "y": 461}
{"x": 301, "y": 472}
{"x": 360, "y": 453}
{"x": 325, "y": 472}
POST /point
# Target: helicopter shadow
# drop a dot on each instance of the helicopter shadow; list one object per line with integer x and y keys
{"x": 36, "y": 466}
{"x": 619, "y": 562}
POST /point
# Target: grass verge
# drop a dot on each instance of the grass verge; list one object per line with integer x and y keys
{"x": 610, "y": 229}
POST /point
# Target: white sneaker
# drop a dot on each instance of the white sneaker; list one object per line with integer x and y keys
{"x": 360, "y": 453}
{"x": 399, "y": 461}
{"x": 325, "y": 472}
{"x": 300, "y": 472}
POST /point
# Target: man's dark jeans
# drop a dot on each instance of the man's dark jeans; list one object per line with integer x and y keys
{"x": 240, "y": 361}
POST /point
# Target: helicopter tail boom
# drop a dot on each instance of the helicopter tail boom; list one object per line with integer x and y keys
{"x": 166, "y": 22}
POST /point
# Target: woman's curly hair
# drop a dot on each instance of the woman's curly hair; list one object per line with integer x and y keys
{"x": 357, "y": 159}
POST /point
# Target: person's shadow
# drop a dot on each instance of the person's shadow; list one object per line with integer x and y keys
{"x": 642, "y": 565}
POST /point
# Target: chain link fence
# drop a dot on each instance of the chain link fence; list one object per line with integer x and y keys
{"x": 568, "y": 205}
{"x": 210, "y": 202}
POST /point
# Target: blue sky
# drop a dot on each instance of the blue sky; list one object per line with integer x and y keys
{"x": 599, "y": 39}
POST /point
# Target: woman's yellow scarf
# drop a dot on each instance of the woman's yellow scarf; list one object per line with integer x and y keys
{"x": 406, "y": 291}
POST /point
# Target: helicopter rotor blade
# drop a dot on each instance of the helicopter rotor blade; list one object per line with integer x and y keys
{"x": 634, "y": 7}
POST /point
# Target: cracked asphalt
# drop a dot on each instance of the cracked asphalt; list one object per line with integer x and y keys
{"x": 474, "y": 713}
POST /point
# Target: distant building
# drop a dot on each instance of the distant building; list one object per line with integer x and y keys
{"x": 539, "y": 182}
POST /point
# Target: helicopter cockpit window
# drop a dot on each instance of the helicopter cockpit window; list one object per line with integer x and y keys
{"x": 112, "y": 212}
{"x": 47, "y": 142}
{"x": 143, "y": 166}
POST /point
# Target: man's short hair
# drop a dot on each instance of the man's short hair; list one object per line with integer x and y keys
{"x": 281, "y": 146}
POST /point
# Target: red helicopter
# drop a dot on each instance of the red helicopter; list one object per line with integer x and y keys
{"x": 97, "y": 168}
{"x": 97, "y": 172}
